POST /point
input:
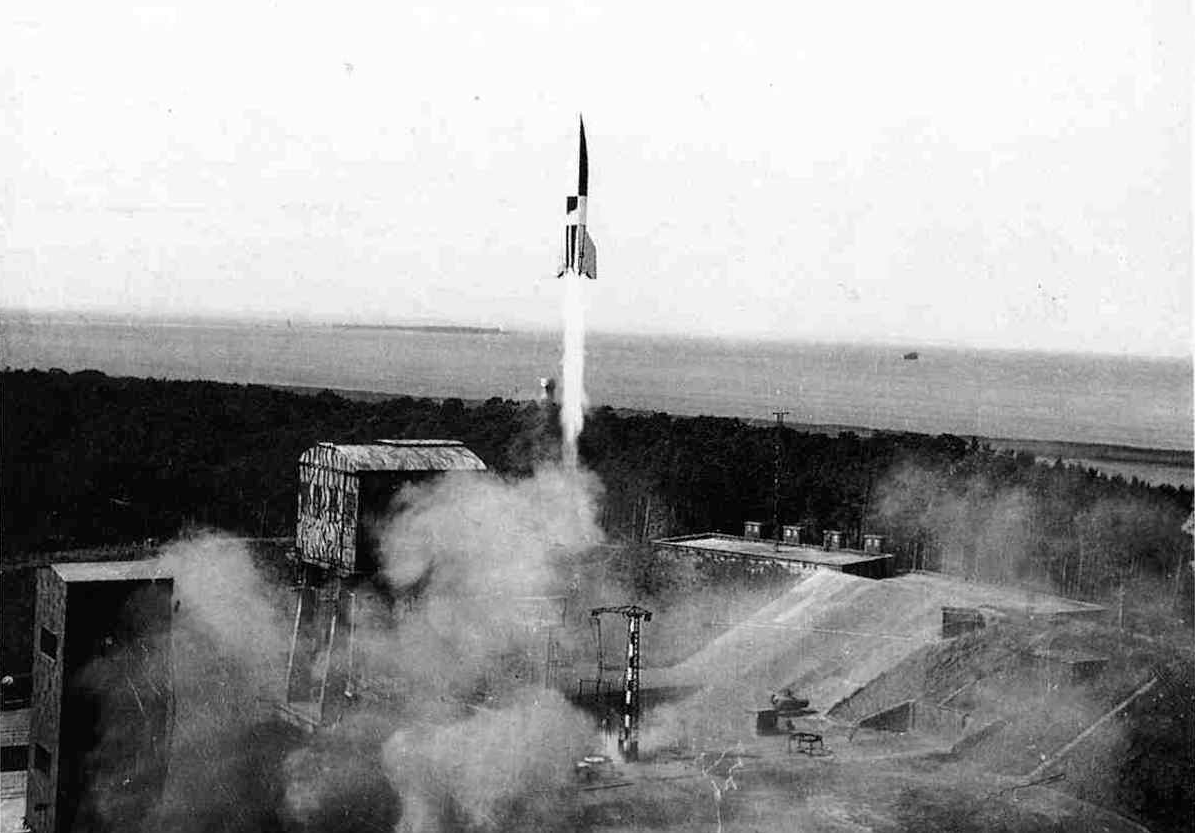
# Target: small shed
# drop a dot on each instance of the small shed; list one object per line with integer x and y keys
{"x": 833, "y": 539}
{"x": 757, "y": 529}
{"x": 873, "y": 542}
{"x": 794, "y": 533}
{"x": 345, "y": 490}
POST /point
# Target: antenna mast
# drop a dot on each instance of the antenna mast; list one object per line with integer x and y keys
{"x": 780, "y": 415}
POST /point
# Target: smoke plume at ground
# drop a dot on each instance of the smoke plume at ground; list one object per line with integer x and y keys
{"x": 457, "y": 658}
{"x": 491, "y": 768}
{"x": 224, "y": 599}
{"x": 573, "y": 402}
{"x": 480, "y": 563}
{"x": 979, "y": 531}
{"x": 230, "y": 643}
{"x": 477, "y": 535}
{"x": 1125, "y": 551}
{"x": 470, "y": 741}
{"x": 982, "y": 529}
{"x": 336, "y": 780}
{"x": 475, "y": 566}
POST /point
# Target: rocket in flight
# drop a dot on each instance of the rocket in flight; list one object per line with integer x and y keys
{"x": 580, "y": 256}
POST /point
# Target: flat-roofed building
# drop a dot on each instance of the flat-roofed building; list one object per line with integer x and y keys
{"x": 720, "y": 548}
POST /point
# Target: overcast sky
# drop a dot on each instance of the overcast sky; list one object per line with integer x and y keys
{"x": 1012, "y": 174}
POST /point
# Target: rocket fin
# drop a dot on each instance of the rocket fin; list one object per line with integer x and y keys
{"x": 588, "y": 265}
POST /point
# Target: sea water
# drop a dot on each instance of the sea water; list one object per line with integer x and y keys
{"x": 1093, "y": 398}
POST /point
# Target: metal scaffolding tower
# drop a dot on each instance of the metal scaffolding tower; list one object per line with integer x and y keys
{"x": 628, "y": 734}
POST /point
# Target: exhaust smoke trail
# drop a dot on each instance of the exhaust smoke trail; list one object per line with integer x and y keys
{"x": 572, "y": 409}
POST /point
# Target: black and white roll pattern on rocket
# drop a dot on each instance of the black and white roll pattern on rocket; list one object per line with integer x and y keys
{"x": 580, "y": 256}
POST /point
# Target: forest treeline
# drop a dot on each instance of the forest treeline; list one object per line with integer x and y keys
{"x": 87, "y": 460}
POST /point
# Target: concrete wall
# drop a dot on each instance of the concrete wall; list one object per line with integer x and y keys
{"x": 752, "y": 566}
{"x": 918, "y": 716}
{"x": 878, "y": 567}
{"x": 106, "y": 665}
{"x": 45, "y": 723}
{"x": 898, "y": 718}
{"x": 14, "y": 727}
{"x": 759, "y": 564}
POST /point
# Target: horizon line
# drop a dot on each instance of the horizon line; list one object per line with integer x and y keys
{"x": 115, "y": 315}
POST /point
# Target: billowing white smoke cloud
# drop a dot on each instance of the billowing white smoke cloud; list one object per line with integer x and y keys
{"x": 492, "y": 769}
{"x": 223, "y": 597}
{"x": 471, "y": 553}
{"x": 480, "y": 536}
{"x": 230, "y": 641}
{"x": 462, "y": 653}
{"x": 572, "y": 406}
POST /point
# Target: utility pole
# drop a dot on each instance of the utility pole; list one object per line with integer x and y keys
{"x": 780, "y": 415}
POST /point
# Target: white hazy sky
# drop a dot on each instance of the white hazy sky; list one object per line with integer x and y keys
{"x": 1012, "y": 174}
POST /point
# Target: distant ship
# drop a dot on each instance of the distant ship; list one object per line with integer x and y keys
{"x": 911, "y": 356}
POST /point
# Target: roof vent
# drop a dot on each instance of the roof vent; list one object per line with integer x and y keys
{"x": 873, "y": 543}
{"x": 793, "y": 533}
{"x": 756, "y": 529}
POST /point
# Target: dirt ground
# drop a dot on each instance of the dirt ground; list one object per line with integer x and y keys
{"x": 829, "y": 637}
{"x": 873, "y": 781}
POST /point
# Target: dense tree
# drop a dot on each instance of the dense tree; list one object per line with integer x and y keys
{"x": 87, "y": 459}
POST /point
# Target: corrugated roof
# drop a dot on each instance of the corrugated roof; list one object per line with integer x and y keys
{"x": 397, "y": 455}
{"x": 146, "y": 570}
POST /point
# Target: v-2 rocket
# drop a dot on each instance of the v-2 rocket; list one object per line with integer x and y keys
{"x": 580, "y": 256}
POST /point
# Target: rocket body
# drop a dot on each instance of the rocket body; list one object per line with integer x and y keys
{"x": 580, "y": 255}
